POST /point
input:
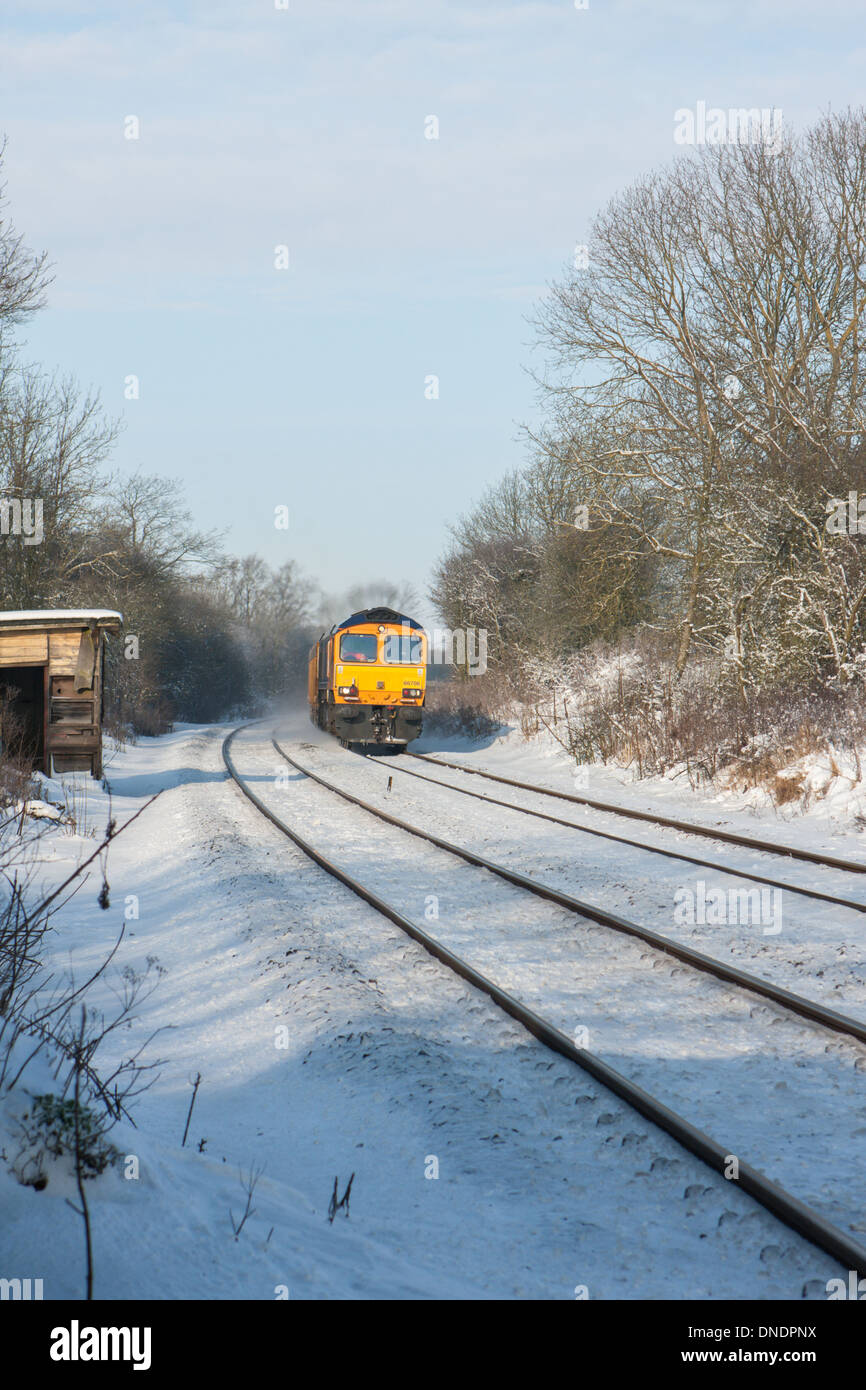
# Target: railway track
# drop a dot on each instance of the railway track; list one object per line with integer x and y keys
{"x": 730, "y": 974}
{"x": 789, "y": 1209}
{"x": 729, "y": 836}
{"x": 680, "y": 854}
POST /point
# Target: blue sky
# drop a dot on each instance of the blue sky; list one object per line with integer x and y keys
{"x": 305, "y": 127}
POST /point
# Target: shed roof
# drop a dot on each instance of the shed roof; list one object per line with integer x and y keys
{"x": 38, "y": 618}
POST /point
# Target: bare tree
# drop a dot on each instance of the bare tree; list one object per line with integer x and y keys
{"x": 704, "y": 377}
{"x": 53, "y": 442}
{"x": 150, "y": 514}
{"x": 24, "y": 275}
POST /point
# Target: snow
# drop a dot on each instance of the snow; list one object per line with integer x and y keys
{"x": 546, "y": 1182}
{"x": 831, "y": 802}
{"x": 34, "y": 614}
{"x": 39, "y": 810}
{"x": 680, "y": 1034}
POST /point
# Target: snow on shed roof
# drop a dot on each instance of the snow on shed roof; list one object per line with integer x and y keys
{"x": 47, "y": 616}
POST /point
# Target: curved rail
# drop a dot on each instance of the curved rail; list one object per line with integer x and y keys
{"x": 767, "y": 846}
{"x": 789, "y": 1209}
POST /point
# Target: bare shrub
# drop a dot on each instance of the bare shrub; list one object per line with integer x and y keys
{"x": 152, "y": 718}
{"x": 623, "y": 703}
{"x": 342, "y": 1203}
{"x": 16, "y": 757}
{"x": 785, "y": 789}
{"x": 50, "y": 1128}
{"x": 36, "y": 1005}
{"x": 249, "y": 1185}
{"x": 472, "y": 708}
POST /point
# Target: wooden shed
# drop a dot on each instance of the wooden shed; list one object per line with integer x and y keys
{"x": 51, "y": 686}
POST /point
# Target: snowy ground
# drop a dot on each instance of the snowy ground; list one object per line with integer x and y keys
{"x": 546, "y": 1183}
{"x": 831, "y": 810}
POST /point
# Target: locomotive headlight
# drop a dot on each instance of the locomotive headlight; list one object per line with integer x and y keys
{"x": 412, "y": 694}
{"x": 344, "y": 690}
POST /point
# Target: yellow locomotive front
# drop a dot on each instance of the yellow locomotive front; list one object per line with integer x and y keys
{"x": 367, "y": 678}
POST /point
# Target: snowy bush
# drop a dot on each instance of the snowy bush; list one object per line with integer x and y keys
{"x": 57, "y": 1127}
{"x": 624, "y": 703}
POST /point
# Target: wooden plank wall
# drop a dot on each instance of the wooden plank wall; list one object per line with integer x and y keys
{"x": 64, "y": 653}
{"x": 26, "y": 648}
{"x": 59, "y": 649}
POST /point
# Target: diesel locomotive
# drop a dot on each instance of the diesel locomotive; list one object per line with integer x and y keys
{"x": 367, "y": 678}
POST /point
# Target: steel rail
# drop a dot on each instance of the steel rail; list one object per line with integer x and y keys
{"x": 638, "y": 844}
{"x": 766, "y": 846}
{"x": 787, "y": 999}
{"x": 789, "y": 1209}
